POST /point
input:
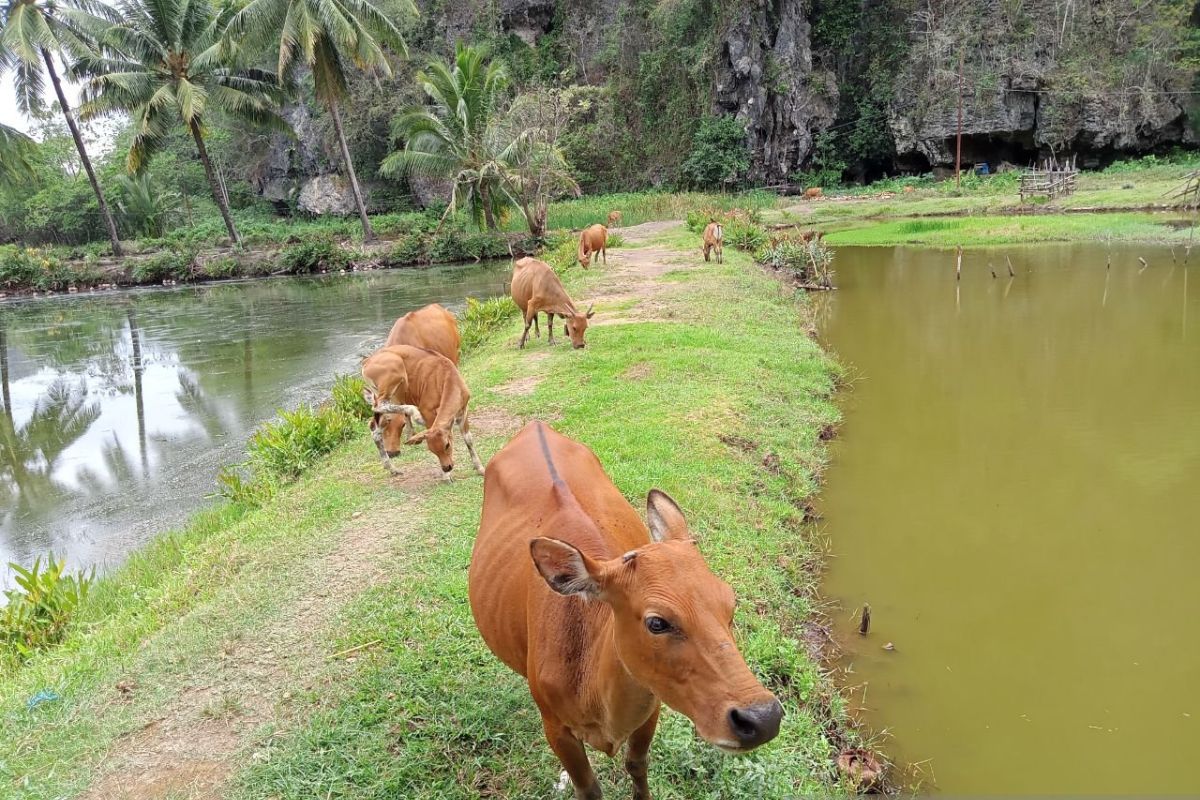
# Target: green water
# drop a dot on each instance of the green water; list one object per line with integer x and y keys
{"x": 1016, "y": 493}
{"x": 117, "y": 410}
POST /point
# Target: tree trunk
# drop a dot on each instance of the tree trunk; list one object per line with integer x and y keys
{"x": 368, "y": 234}
{"x": 83, "y": 156}
{"x": 485, "y": 198}
{"x": 212, "y": 183}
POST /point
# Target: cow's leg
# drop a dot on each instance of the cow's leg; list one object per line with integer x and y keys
{"x": 537, "y": 331}
{"x": 550, "y": 327}
{"x": 574, "y": 759}
{"x": 604, "y": 254}
{"x": 465, "y": 427}
{"x": 705, "y": 249}
{"x": 637, "y": 757}
{"x": 530, "y": 316}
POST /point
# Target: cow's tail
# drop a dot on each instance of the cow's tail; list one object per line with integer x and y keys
{"x": 720, "y": 233}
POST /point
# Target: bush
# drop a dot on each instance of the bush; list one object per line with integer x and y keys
{"x": 316, "y": 252}
{"x": 40, "y": 608}
{"x": 719, "y": 157}
{"x": 167, "y": 265}
{"x": 283, "y": 449}
{"x": 479, "y": 319}
{"x": 745, "y": 235}
{"x": 808, "y": 260}
{"x": 221, "y": 267}
{"x": 410, "y": 249}
{"x": 825, "y": 165}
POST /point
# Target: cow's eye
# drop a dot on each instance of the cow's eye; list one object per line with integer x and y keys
{"x": 657, "y": 625}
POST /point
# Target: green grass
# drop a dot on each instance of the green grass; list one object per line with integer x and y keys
{"x": 726, "y": 415}
{"x": 639, "y": 207}
{"x": 1006, "y": 230}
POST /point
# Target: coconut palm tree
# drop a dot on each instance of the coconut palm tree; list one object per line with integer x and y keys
{"x": 326, "y": 37}
{"x": 34, "y": 32}
{"x": 458, "y": 137}
{"x": 164, "y": 65}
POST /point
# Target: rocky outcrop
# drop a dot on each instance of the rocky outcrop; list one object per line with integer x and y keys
{"x": 765, "y": 76}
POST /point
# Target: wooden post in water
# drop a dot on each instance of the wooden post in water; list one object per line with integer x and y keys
{"x": 958, "y": 265}
{"x": 991, "y": 269}
{"x": 1011, "y": 274}
{"x": 864, "y": 622}
{"x": 1144, "y": 265}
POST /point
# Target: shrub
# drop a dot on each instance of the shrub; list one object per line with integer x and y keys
{"x": 32, "y": 268}
{"x": 745, "y": 235}
{"x": 221, "y": 267}
{"x": 719, "y": 157}
{"x": 810, "y": 261}
{"x": 410, "y": 249}
{"x": 479, "y": 319}
{"x": 283, "y": 449}
{"x": 316, "y": 252}
{"x": 167, "y": 265}
{"x": 40, "y": 608}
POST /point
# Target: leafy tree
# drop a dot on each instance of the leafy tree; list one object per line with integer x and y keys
{"x": 459, "y": 138}
{"x": 536, "y": 169}
{"x": 719, "y": 157}
{"x": 327, "y": 37}
{"x": 165, "y": 65}
{"x": 144, "y": 206}
{"x": 33, "y": 33}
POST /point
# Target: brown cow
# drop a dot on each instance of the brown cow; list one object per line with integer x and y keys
{"x": 604, "y": 618}
{"x": 594, "y": 239}
{"x": 535, "y": 288}
{"x": 814, "y": 193}
{"x": 614, "y": 219}
{"x": 408, "y": 384}
{"x": 432, "y": 327}
{"x": 714, "y": 239}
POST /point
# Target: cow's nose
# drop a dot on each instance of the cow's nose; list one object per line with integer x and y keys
{"x": 447, "y": 467}
{"x": 580, "y": 346}
{"x": 393, "y": 453}
{"x": 756, "y": 724}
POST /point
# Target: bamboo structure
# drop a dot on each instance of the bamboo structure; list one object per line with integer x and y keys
{"x": 1053, "y": 179}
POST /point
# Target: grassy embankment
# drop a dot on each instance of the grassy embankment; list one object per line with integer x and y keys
{"x": 1130, "y": 201}
{"x": 721, "y": 404}
{"x": 300, "y": 246}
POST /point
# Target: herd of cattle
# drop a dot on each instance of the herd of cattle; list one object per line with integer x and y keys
{"x": 606, "y": 616}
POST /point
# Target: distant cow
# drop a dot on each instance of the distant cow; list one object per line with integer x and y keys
{"x": 431, "y": 327}
{"x": 604, "y": 615}
{"x": 908, "y": 190}
{"x": 614, "y": 219}
{"x": 407, "y": 385}
{"x": 714, "y": 241}
{"x": 594, "y": 239}
{"x": 535, "y": 288}
{"x": 812, "y": 236}
{"x": 814, "y": 193}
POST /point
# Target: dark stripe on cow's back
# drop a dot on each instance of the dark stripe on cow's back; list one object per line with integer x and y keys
{"x": 541, "y": 431}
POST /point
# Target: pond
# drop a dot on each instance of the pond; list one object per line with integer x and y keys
{"x": 1015, "y": 491}
{"x": 120, "y": 408}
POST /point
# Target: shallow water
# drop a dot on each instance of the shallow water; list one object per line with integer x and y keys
{"x": 119, "y": 409}
{"x": 1016, "y": 493}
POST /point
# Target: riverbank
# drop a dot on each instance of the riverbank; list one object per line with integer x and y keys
{"x": 246, "y": 658}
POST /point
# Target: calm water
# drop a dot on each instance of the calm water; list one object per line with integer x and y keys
{"x": 1016, "y": 492}
{"x": 119, "y": 409}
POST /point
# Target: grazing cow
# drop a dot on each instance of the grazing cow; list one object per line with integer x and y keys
{"x": 408, "y": 384}
{"x": 594, "y": 239}
{"x": 604, "y": 618}
{"x": 814, "y": 193}
{"x": 714, "y": 240}
{"x": 811, "y": 236}
{"x": 614, "y": 219}
{"x": 908, "y": 190}
{"x": 432, "y": 327}
{"x": 535, "y": 288}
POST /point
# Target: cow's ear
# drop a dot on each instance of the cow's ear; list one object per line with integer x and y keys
{"x": 665, "y": 518}
{"x": 591, "y": 312}
{"x": 565, "y": 569}
{"x": 418, "y": 438}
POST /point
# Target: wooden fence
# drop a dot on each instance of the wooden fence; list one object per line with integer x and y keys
{"x": 1053, "y": 179}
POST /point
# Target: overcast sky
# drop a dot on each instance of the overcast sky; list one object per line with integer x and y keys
{"x": 98, "y": 135}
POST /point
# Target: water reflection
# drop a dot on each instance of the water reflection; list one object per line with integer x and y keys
{"x": 118, "y": 410}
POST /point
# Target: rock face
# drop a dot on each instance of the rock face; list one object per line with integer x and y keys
{"x": 765, "y": 76}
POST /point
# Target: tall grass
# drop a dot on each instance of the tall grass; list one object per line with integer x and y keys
{"x": 639, "y": 207}
{"x": 480, "y": 318}
{"x": 39, "y": 609}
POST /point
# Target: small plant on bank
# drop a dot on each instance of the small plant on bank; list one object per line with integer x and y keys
{"x": 809, "y": 260}
{"x": 745, "y": 235}
{"x": 480, "y": 318}
{"x": 169, "y": 265}
{"x": 40, "y": 608}
{"x": 283, "y": 449}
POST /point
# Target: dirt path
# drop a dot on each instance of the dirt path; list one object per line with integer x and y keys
{"x": 196, "y": 742}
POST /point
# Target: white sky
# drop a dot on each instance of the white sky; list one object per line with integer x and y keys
{"x": 98, "y": 135}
